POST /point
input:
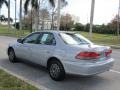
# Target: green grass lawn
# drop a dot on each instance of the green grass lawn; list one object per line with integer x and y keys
{"x": 103, "y": 38}
{"x": 107, "y": 39}
{"x": 8, "y": 82}
{"x": 12, "y": 32}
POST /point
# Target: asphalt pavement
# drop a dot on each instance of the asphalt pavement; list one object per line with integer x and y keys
{"x": 39, "y": 77}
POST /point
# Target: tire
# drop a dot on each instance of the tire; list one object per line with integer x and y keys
{"x": 11, "y": 55}
{"x": 56, "y": 70}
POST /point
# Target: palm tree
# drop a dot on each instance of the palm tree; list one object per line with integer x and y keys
{"x": 64, "y": 3}
{"x": 58, "y": 12}
{"x": 3, "y": 2}
{"x": 2, "y": 18}
{"x": 8, "y": 5}
{"x": 35, "y": 5}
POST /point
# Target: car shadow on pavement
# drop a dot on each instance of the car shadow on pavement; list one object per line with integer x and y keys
{"x": 33, "y": 65}
{"x": 24, "y": 68}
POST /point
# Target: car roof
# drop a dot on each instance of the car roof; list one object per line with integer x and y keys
{"x": 55, "y": 31}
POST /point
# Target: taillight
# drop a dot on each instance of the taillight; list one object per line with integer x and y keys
{"x": 108, "y": 53}
{"x": 87, "y": 55}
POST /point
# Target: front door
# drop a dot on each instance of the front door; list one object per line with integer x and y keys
{"x": 24, "y": 48}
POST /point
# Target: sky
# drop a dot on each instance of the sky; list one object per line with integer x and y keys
{"x": 105, "y": 10}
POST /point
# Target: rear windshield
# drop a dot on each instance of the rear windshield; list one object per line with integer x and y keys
{"x": 74, "y": 39}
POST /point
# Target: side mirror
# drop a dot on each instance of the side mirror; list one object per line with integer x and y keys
{"x": 19, "y": 40}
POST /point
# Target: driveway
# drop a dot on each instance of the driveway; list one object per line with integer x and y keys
{"x": 38, "y": 75}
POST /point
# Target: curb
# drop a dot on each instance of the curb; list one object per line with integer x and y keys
{"x": 39, "y": 87}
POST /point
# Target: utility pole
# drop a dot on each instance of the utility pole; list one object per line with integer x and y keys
{"x": 118, "y": 21}
{"x": 20, "y": 18}
{"x": 58, "y": 15}
{"x": 8, "y": 14}
{"x": 91, "y": 18}
{"x": 15, "y": 13}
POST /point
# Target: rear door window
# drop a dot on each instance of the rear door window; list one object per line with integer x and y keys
{"x": 47, "y": 39}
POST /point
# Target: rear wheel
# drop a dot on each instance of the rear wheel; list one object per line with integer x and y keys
{"x": 11, "y": 54}
{"x": 56, "y": 70}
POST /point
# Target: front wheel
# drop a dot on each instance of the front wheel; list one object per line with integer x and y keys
{"x": 11, "y": 54}
{"x": 56, "y": 71}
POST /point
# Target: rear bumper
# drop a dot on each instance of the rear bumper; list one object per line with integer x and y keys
{"x": 88, "y": 69}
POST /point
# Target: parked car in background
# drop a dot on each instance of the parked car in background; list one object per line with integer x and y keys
{"x": 62, "y": 53}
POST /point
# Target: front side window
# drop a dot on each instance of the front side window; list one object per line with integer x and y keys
{"x": 32, "y": 38}
{"x": 47, "y": 39}
{"x": 74, "y": 39}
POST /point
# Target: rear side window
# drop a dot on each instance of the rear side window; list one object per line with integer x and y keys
{"x": 47, "y": 39}
{"x": 74, "y": 39}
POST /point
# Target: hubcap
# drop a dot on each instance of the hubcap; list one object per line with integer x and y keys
{"x": 11, "y": 55}
{"x": 54, "y": 70}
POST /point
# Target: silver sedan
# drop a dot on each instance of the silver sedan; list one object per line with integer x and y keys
{"x": 62, "y": 53}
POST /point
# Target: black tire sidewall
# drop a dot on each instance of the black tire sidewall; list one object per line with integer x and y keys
{"x": 14, "y": 59}
{"x": 61, "y": 75}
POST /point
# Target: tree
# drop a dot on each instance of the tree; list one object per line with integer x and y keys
{"x": 8, "y": 5}
{"x": 3, "y": 2}
{"x": 44, "y": 15}
{"x": 61, "y": 3}
{"x": 4, "y": 19}
{"x": 79, "y": 27}
{"x": 28, "y": 21}
{"x": 35, "y": 4}
{"x": 66, "y": 22}
{"x": 114, "y": 24}
{"x": 64, "y": 3}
